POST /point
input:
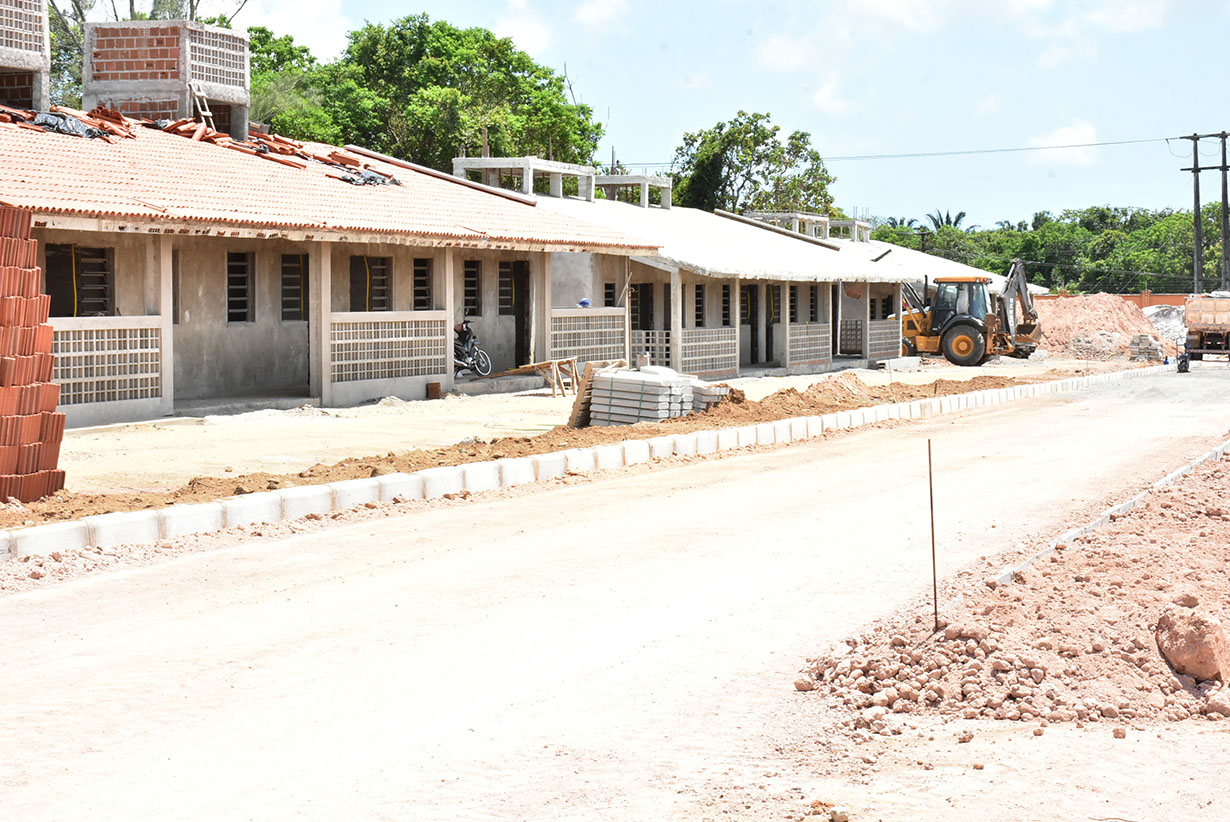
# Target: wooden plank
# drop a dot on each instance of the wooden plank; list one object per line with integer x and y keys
{"x": 579, "y": 418}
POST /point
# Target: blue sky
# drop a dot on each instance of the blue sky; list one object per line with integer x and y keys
{"x": 880, "y": 77}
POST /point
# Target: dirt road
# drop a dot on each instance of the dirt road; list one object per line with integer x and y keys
{"x": 618, "y": 650}
{"x": 166, "y": 454}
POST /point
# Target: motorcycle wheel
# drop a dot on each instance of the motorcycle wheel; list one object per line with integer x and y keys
{"x": 482, "y": 362}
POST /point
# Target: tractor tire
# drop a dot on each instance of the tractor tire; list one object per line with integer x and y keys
{"x": 911, "y": 350}
{"x": 964, "y": 345}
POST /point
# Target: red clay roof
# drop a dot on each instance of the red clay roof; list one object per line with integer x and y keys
{"x": 156, "y": 175}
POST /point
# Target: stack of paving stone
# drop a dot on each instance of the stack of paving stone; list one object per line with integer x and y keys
{"x": 1144, "y": 347}
{"x": 705, "y": 395}
{"x": 31, "y": 429}
{"x": 627, "y": 397}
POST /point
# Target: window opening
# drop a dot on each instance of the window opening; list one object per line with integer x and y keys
{"x": 294, "y": 287}
{"x": 473, "y": 288}
{"x": 239, "y": 298}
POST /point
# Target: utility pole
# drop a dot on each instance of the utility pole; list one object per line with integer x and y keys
{"x": 1198, "y": 245}
{"x": 1225, "y": 220}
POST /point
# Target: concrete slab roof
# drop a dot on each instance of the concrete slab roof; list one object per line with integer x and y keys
{"x": 717, "y": 246}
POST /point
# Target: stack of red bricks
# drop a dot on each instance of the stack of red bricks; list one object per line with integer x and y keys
{"x": 31, "y": 429}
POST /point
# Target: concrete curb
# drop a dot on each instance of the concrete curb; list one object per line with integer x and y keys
{"x": 291, "y": 503}
{"x": 1006, "y": 576}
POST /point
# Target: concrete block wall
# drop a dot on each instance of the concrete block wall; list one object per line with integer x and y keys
{"x": 146, "y": 68}
{"x": 25, "y": 55}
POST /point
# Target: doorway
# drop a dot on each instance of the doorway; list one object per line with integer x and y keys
{"x": 521, "y": 310}
{"x": 749, "y": 302}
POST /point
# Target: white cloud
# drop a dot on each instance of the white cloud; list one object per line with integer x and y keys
{"x": 323, "y": 31}
{"x": 786, "y": 53}
{"x": 829, "y": 99}
{"x": 842, "y": 32}
{"x": 1076, "y": 133}
{"x": 991, "y": 104}
{"x": 700, "y": 81}
{"x": 599, "y": 12}
{"x": 531, "y": 33}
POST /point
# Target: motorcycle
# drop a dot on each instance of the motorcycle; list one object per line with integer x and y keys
{"x": 1183, "y": 360}
{"x": 467, "y": 356}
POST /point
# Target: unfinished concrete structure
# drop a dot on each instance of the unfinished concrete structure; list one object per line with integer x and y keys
{"x": 25, "y": 55}
{"x": 726, "y": 294}
{"x": 183, "y": 270}
{"x": 153, "y": 69}
{"x": 524, "y": 172}
{"x": 612, "y": 185}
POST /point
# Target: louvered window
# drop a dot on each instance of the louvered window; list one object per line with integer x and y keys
{"x": 80, "y": 281}
{"x": 473, "y": 282}
{"x": 240, "y": 307}
{"x": 422, "y": 285}
{"x": 294, "y": 287}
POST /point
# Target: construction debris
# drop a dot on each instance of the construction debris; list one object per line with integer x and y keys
{"x": 1094, "y": 326}
{"x": 1114, "y": 626}
{"x": 1144, "y": 347}
{"x": 1169, "y": 320}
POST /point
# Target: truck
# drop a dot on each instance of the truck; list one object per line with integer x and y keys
{"x": 1208, "y": 324}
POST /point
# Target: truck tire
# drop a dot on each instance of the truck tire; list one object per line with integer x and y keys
{"x": 964, "y": 345}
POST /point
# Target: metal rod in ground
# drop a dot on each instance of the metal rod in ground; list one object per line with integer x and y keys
{"x": 935, "y": 593}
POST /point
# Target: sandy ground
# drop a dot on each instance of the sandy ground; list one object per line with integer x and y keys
{"x": 166, "y": 454}
{"x": 621, "y": 649}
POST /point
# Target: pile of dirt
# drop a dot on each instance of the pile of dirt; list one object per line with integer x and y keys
{"x": 1093, "y": 326}
{"x": 1072, "y": 638}
{"x": 840, "y": 392}
{"x": 1169, "y": 320}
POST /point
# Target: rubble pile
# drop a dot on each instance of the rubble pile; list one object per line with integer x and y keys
{"x": 1122, "y": 624}
{"x": 1094, "y": 326}
{"x": 1169, "y": 320}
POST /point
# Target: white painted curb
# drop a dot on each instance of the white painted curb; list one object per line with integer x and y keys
{"x": 291, "y": 503}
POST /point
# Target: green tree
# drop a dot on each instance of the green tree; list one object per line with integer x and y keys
{"x": 743, "y": 164}
{"x": 444, "y": 91}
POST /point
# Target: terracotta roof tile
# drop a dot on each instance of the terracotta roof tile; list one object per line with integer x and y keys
{"x": 157, "y": 175}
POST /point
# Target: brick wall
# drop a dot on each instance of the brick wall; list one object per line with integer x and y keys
{"x": 124, "y": 53}
{"x": 151, "y": 109}
{"x": 17, "y": 90}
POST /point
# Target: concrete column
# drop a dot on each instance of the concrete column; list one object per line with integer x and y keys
{"x": 736, "y": 319}
{"x": 166, "y": 316}
{"x": 458, "y": 171}
{"x": 585, "y": 187}
{"x": 557, "y": 184}
{"x": 527, "y": 181}
{"x": 644, "y": 195}
{"x": 450, "y": 298}
{"x": 676, "y": 320}
{"x": 794, "y": 224}
{"x": 320, "y": 315}
{"x": 666, "y": 197}
{"x": 867, "y": 320}
{"x": 540, "y": 308}
{"x": 627, "y": 311}
{"x": 239, "y": 122}
{"x": 785, "y": 358}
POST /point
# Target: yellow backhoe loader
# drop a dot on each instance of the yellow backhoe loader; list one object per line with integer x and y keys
{"x": 967, "y": 323}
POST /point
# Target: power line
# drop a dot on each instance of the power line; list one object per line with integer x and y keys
{"x": 965, "y": 152}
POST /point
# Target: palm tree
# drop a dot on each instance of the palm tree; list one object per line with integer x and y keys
{"x": 901, "y": 222}
{"x": 939, "y": 220}
{"x": 1008, "y": 225}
